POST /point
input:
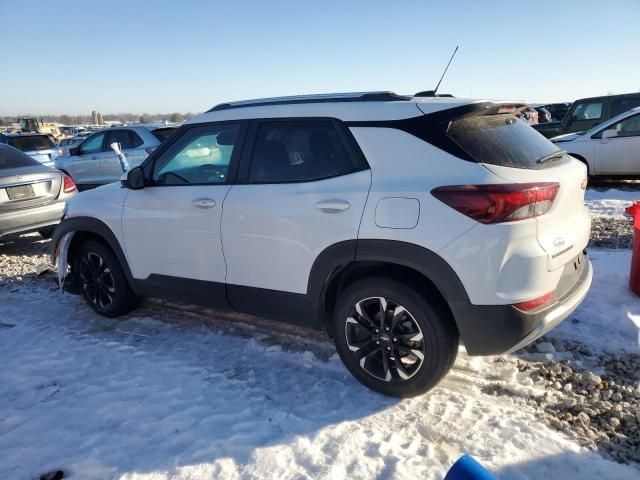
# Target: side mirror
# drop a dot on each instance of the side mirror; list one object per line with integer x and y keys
{"x": 74, "y": 151}
{"x": 134, "y": 179}
{"x": 609, "y": 133}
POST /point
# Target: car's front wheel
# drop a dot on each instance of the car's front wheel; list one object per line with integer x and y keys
{"x": 392, "y": 339}
{"x": 102, "y": 281}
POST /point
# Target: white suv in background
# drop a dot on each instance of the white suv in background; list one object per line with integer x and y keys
{"x": 398, "y": 224}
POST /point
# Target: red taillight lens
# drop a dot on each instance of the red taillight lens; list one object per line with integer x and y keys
{"x": 69, "y": 185}
{"x": 498, "y": 203}
{"x": 535, "y": 303}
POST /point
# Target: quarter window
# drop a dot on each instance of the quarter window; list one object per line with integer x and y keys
{"x": 200, "y": 156}
{"x": 587, "y": 111}
{"x": 622, "y": 105}
{"x": 299, "y": 151}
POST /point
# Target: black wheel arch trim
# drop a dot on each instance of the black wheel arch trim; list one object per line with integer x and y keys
{"x": 101, "y": 230}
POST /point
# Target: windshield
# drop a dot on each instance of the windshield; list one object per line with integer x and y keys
{"x": 500, "y": 139}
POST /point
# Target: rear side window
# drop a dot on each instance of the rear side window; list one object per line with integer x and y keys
{"x": 299, "y": 151}
{"x": 622, "y": 105}
{"x": 31, "y": 143}
{"x": 12, "y": 158}
{"x": 126, "y": 138}
{"x": 500, "y": 139}
{"x": 587, "y": 111}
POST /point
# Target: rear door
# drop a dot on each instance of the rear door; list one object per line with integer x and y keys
{"x": 303, "y": 186}
{"x": 620, "y": 155}
{"x": 131, "y": 146}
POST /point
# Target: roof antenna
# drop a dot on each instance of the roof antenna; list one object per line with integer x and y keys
{"x": 434, "y": 93}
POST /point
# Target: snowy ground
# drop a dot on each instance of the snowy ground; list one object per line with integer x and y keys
{"x": 190, "y": 394}
{"x": 603, "y": 201}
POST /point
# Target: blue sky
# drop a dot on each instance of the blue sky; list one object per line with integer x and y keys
{"x": 163, "y": 56}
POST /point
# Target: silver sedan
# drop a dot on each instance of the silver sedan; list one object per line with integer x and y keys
{"x": 32, "y": 195}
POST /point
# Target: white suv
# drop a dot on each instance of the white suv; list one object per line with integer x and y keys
{"x": 398, "y": 224}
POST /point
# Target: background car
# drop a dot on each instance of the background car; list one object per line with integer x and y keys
{"x": 544, "y": 115}
{"x": 39, "y": 147}
{"x": 69, "y": 143}
{"x": 587, "y": 113}
{"x": 557, "y": 110}
{"x": 609, "y": 149}
{"x": 94, "y": 163}
{"x": 529, "y": 115}
{"x": 32, "y": 195}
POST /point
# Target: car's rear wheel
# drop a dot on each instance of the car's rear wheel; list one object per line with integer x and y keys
{"x": 102, "y": 281}
{"x": 392, "y": 339}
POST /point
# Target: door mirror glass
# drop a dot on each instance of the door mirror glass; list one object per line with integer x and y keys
{"x": 609, "y": 134}
{"x": 135, "y": 179}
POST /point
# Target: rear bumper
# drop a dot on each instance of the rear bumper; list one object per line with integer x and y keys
{"x": 496, "y": 329}
{"x": 30, "y": 219}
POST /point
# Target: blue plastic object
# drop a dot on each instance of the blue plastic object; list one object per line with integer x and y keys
{"x": 467, "y": 468}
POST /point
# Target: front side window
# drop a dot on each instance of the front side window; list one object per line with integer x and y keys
{"x": 92, "y": 144}
{"x": 200, "y": 156}
{"x": 587, "y": 111}
{"x": 299, "y": 151}
{"x": 629, "y": 127}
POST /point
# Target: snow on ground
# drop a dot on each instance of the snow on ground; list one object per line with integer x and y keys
{"x": 609, "y": 202}
{"x": 609, "y": 318}
{"x": 166, "y": 394}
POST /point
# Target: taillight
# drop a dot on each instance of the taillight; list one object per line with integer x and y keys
{"x": 68, "y": 185}
{"x": 535, "y": 303}
{"x": 498, "y": 203}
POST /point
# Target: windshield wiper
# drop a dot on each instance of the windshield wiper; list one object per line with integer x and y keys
{"x": 551, "y": 156}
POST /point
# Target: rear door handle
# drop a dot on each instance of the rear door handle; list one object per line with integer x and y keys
{"x": 204, "y": 202}
{"x": 332, "y": 206}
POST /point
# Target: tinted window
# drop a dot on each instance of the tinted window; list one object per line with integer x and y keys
{"x": 299, "y": 151}
{"x": 500, "y": 139}
{"x": 200, "y": 156}
{"x": 93, "y": 144}
{"x": 629, "y": 127}
{"x": 621, "y": 105}
{"x": 31, "y": 143}
{"x": 12, "y": 158}
{"x": 126, "y": 138}
{"x": 587, "y": 111}
{"x": 162, "y": 133}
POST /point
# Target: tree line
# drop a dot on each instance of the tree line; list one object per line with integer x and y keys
{"x": 86, "y": 119}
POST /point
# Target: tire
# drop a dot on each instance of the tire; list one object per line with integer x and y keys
{"x": 422, "y": 328}
{"x": 102, "y": 282}
{"x": 46, "y": 232}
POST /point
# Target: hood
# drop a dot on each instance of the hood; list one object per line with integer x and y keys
{"x": 567, "y": 137}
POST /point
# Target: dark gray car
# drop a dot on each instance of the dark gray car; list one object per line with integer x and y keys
{"x": 32, "y": 195}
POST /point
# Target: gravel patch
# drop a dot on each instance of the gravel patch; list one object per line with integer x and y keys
{"x": 23, "y": 259}
{"x": 611, "y": 233}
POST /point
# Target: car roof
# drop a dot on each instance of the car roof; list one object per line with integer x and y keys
{"x": 602, "y": 97}
{"x": 354, "y": 106}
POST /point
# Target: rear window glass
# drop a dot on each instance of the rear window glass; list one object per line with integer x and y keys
{"x": 500, "y": 139}
{"x": 162, "y": 133}
{"x": 12, "y": 158}
{"x": 31, "y": 143}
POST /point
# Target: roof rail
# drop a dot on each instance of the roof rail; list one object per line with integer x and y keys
{"x": 319, "y": 98}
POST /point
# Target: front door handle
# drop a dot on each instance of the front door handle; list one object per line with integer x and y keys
{"x": 332, "y": 206}
{"x": 204, "y": 202}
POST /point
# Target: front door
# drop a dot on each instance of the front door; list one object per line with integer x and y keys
{"x": 171, "y": 227}
{"x": 620, "y": 155}
{"x": 86, "y": 167}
